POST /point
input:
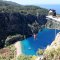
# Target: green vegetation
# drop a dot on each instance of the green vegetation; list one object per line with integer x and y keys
{"x": 6, "y": 6}
{"x": 24, "y": 57}
{"x": 40, "y": 52}
{"x": 9, "y": 53}
{"x": 52, "y": 52}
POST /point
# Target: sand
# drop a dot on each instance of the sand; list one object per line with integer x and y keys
{"x": 18, "y": 48}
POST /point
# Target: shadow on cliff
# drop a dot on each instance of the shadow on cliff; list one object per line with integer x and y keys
{"x": 16, "y": 23}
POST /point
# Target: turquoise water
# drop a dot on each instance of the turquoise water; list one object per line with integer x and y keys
{"x": 44, "y": 38}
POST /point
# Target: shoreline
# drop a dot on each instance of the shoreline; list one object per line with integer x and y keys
{"x": 18, "y": 48}
{"x": 53, "y": 28}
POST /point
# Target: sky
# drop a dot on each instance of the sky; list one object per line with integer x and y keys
{"x": 36, "y": 2}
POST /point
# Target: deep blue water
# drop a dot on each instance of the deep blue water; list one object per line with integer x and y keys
{"x": 44, "y": 38}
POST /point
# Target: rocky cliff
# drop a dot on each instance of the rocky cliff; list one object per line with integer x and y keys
{"x": 16, "y": 23}
{"x": 52, "y": 24}
{"x": 15, "y": 18}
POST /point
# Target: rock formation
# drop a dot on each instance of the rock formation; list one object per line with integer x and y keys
{"x": 16, "y": 23}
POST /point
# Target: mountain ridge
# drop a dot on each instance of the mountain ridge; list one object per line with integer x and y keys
{"x": 8, "y": 6}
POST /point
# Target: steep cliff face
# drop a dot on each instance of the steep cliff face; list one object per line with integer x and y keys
{"x": 16, "y": 23}
{"x": 52, "y": 52}
{"x": 12, "y": 22}
{"x": 52, "y": 24}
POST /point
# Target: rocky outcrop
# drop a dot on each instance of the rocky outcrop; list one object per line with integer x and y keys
{"x": 12, "y": 39}
{"x": 52, "y": 24}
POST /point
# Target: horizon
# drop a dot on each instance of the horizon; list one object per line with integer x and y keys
{"x": 47, "y": 6}
{"x": 35, "y": 2}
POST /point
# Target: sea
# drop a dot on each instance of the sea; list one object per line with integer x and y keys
{"x": 44, "y": 38}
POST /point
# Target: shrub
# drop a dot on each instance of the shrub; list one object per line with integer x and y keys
{"x": 24, "y": 57}
{"x": 40, "y": 52}
{"x": 52, "y": 53}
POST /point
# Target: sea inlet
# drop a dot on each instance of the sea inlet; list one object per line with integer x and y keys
{"x": 44, "y": 38}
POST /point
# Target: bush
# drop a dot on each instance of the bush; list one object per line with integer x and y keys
{"x": 24, "y": 57}
{"x": 52, "y": 53}
{"x": 40, "y": 52}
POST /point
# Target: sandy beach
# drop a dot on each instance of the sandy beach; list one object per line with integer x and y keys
{"x": 18, "y": 48}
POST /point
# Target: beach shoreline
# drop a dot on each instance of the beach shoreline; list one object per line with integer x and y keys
{"x": 18, "y": 48}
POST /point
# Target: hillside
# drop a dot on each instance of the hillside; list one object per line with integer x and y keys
{"x": 14, "y": 19}
{"x": 5, "y": 3}
{"x": 8, "y": 6}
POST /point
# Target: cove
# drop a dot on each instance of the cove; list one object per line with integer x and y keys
{"x": 44, "y": 38}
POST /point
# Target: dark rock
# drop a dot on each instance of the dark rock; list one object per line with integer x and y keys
{"x": 16, "y": 23}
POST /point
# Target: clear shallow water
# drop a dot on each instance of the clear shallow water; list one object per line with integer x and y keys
{"x": 44, "y": 38}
